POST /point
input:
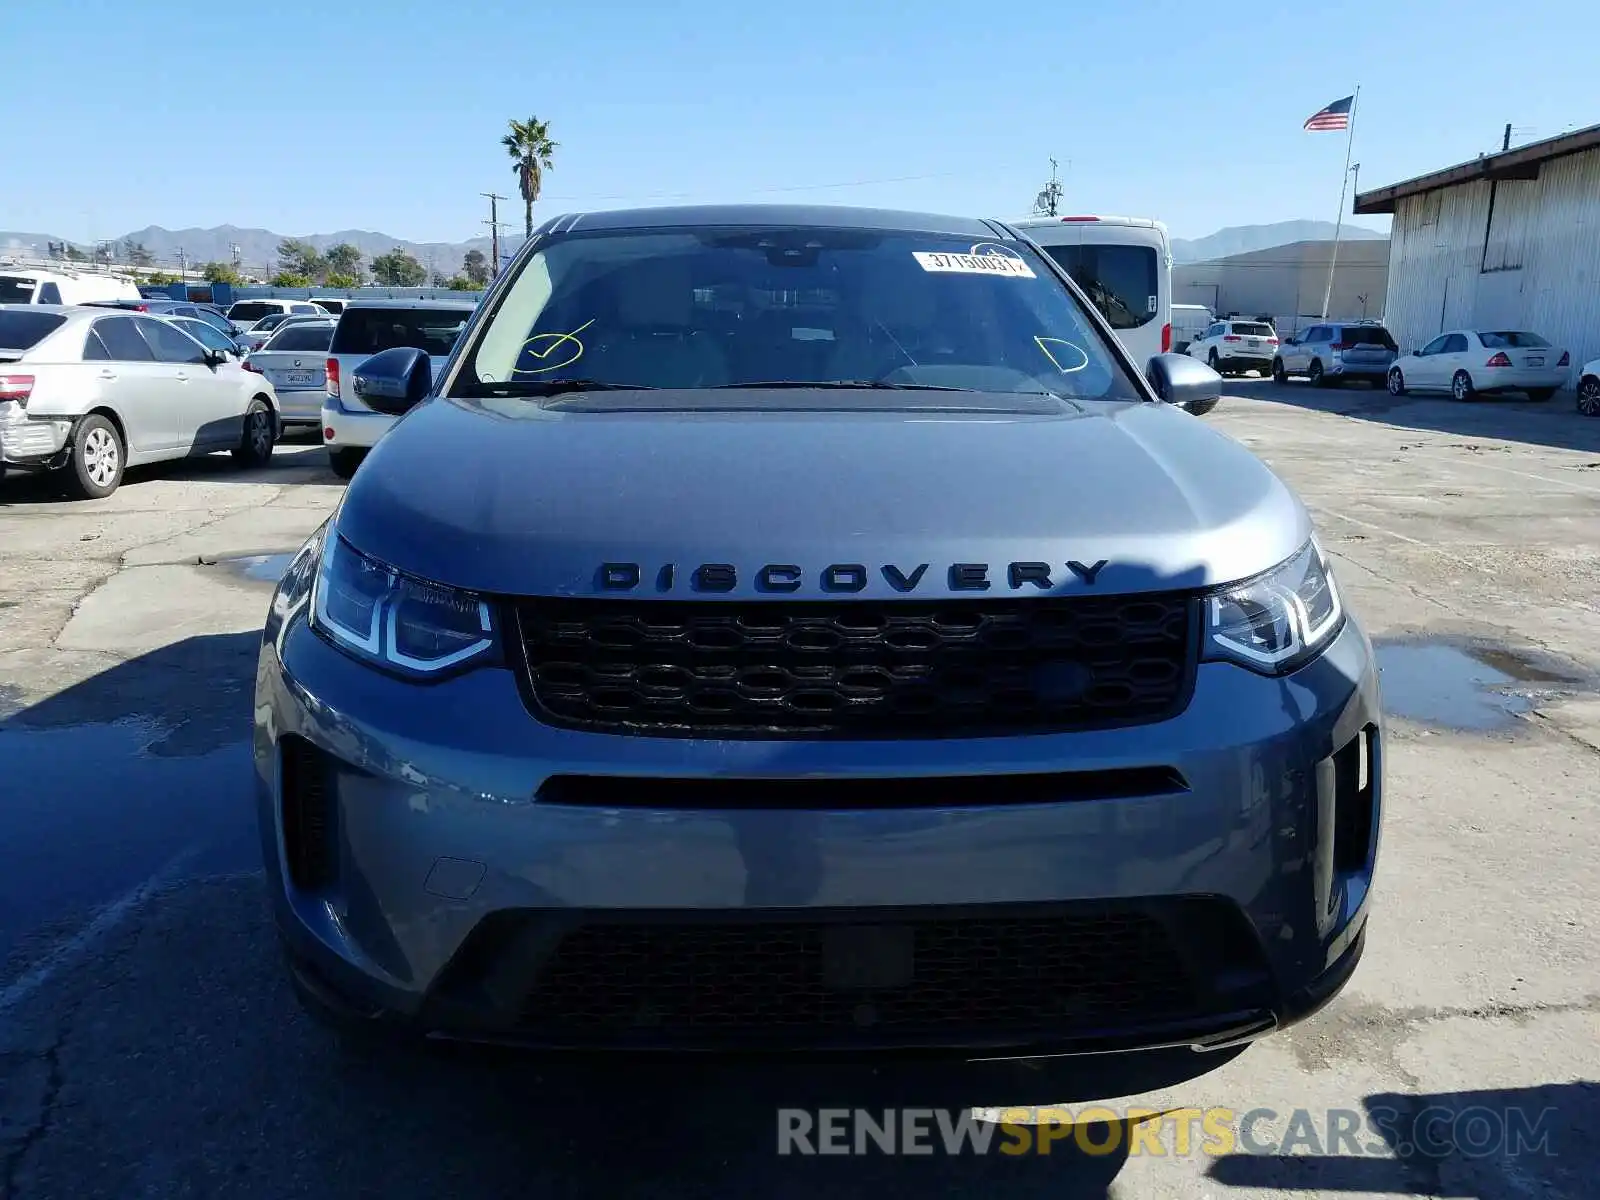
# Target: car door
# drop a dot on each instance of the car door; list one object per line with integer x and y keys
{"x": 129, "y": 376}
{"x": 1452, "y": 358}
{"x": 1422, "y": 370}
{"x": 208, "y": 411}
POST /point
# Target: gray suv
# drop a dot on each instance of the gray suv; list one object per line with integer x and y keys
{"x": 787, "y": 629}
{"x": 1333, "y": 353}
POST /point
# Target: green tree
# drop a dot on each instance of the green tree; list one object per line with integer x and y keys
{"x": 220, "y": 272}
{"x": 161, "y": 278}
{"x": 291, "y": 279}
{"x": 136, "y": 253}
{"x": 533, "y": 153}
{"x": 299, "y": 257}
{"x": 460, "y": 283}
{"x": 337, "y": 280}
{"x": 343, "y": 259}
{"x": 398, "y": 269}
{"x": 75, "y": 255}
{"x": 475, "y": 266}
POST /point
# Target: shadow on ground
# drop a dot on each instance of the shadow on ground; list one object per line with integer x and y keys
{"x": 298, "y": 458}
{"x": 1555, "y": 422}
{"x": 1535, "y": 1141}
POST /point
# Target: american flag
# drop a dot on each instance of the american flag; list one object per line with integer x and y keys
{"x": 1335, "y": 116}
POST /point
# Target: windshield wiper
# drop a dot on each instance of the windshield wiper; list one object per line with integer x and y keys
{"x": 844, "y": 384}
{"x": 551, "y": 387}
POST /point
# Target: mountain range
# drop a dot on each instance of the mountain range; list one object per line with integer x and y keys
{"x": 258, "y": 248}
{"x": 1242, "y": 239}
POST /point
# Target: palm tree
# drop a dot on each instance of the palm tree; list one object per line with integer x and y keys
{"x": 529, "y": 144}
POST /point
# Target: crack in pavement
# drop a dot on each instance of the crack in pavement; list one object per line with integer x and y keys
{"x": 35, "y": 1132}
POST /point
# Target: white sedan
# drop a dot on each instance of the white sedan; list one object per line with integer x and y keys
{"x": 1589, "y": 389}
{"x": 89, "y": 392}
{"x": 1467, "y": 362}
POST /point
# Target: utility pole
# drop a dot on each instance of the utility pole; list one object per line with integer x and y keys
{"x": 494, "y": 232}
{"x": 1048, "y": 202}
{"x": 1505, "y": 142}
{"x": 236, "y": 252}
{"x": 183, "y": 265}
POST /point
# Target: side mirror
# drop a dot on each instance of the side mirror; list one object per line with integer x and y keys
{"x": 394, "y": 381}
{"x": 215, "y": 358}
{"x": 1416, "y": 353}
{"x": 1186, "y": 382}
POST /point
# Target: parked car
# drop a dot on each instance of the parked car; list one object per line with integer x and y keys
{"x": 1589, "y": 389}
{"x": 294, "y": 360}
{"x": 1337, "y": 351}
{"x": 669, "y": 681}
{"x": 256, "y": 336}
{"x": 1469, "y": 362}
{"x": 208, "y": 335}
{"x": 1189, "y": 321}
{"x": 156, "y": 306}
{"x": 245, "y": 313}
{"x": 89, "y": 393}
{"x": 350, "y": 426}
{"x": 25, "y": 285}
{"x": 334, "y": 305}
{"x": 1232, "y": 347}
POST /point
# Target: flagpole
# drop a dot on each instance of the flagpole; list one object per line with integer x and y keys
{"x": 1344, "y": 183}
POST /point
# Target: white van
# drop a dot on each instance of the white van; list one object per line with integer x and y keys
{"x": 1189, "y": 321}
{"x": 28, "y": 286}
{"x": 1124, "y": 265}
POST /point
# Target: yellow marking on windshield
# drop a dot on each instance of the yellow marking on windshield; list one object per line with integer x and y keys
{"x": 1044, "y": 344}
{"x": 542, "y": 345}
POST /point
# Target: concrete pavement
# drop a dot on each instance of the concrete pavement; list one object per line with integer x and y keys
{"x": 149, "y": 1047}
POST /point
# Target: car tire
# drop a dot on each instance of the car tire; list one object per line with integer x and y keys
{"x": 1540, "y": 395}
{"x": 1315, "y": 374}
{"x": 344, "y": 460}
{"x": 1211, "y": 361}
{"x": 1589, "y": 396}
{"x": 257, "y": 439}
{"x": 97, "y": 460}
{"x": 1396, "y": 382}
{"x": 1461, "y": 386}
{"x": 1279, "y": 375}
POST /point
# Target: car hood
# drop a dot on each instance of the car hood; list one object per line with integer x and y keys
{"x": 514, "y": 497}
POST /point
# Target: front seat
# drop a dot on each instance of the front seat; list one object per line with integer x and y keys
{"x": 895, "y": 319}
{"x": 654, "y": 342}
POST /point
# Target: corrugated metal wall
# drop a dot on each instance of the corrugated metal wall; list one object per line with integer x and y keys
{"x": 1537, "y": 267}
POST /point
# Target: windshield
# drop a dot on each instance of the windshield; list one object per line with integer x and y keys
{"x": 1368, "y": 335}
{"x": 731, "y": 307}
{"x": 270, "y": 322}
{"x": 301, "y": 336}
{"x": 247, "y": 311}
{"x": 1121, "y": 281}
{"x": 1510, "y": 339}
{"x": 14, "y": 289}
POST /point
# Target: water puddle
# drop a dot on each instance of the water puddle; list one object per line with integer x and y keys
{"x": 258, "y": 568}
{"x": 1462, "y": 685}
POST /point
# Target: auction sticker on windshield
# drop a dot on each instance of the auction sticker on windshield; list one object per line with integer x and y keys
{"x": 973, "y": 264}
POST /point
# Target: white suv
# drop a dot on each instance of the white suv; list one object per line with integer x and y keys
{"x": 349, "y": 427}
{"x": 1232, "y": 346}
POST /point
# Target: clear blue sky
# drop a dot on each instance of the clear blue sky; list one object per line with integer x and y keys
{"x": 308, "y": 116}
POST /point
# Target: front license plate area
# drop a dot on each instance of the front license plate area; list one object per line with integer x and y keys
{"x": 868, "y": 957}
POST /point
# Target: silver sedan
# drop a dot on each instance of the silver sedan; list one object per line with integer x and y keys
{"x": 89, "y": 392}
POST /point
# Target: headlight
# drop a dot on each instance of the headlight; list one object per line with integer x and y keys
{"x": 407, "y": 625}
{"x": 1277, "y": 621}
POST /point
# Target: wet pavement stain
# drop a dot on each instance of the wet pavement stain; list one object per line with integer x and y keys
{"x": 258, "y": 568}
{"x": 1464, "y": 685}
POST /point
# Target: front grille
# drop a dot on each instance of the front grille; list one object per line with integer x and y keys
{"x": 806, "y": 981}
{"x": 862, "y": 669}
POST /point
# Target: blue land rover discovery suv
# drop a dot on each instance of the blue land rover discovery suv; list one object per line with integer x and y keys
{"x": 797, "y": 629}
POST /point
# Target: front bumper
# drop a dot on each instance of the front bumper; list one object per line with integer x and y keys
{"x": 454, "y": 897}
{"x": 343, "y": 427}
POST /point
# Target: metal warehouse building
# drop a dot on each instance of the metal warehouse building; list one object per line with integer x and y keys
{"x": 1508, "y": 241}
{"x": 1288, "y": 282}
